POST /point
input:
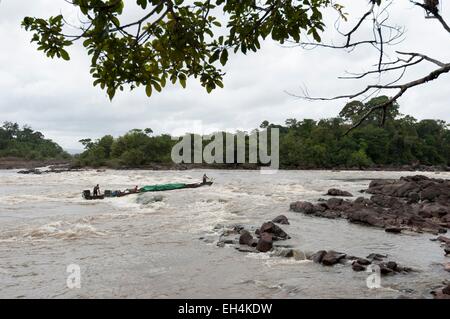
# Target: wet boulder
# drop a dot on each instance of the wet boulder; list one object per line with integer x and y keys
{"x": 338, "y": 192}
{"x": 363, "y": 261}
{"x": 358, "y": 267}
{"x": 392, "y": 265}
{"x": 332, "y": 257}
{"x": 430, "y": 210}
{"x": 386, "y": 201}
{"x": 302, "y": 207}
{"x": 281, "y": 220}
{"x": 368, "y": 216}
{"x": 432, "y": 192}
{"x": 245, "y": 238}
{"x": 265, "y": 242}
{"x": 393, "y": 230}
{"x": 318, "y": 256}
{"x": 276, "y": 231}
{"x": 334, "y": 203}
{"x": 384, "y": 269}
{"x": 403, "y": 190}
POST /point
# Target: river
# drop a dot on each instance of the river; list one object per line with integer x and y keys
{"x": 142, "y": 246}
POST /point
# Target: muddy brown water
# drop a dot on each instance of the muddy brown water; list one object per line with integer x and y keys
{"x": 142, "y": 246}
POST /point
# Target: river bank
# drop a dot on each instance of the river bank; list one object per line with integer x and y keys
{"x": 20, "y": 163}
{"x": 17, "y": 163}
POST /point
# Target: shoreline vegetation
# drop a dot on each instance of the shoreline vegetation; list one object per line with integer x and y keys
{"x": 403, "y": 144}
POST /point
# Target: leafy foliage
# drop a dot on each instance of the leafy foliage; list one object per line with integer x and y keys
{"x": 306, "y": 143}
{"x": 27, "y": 144}
{"x": 174, "y": 39}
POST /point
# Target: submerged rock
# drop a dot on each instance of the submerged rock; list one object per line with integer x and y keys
{"x": 338, "y": 192}
{"x": 147, "y": 198}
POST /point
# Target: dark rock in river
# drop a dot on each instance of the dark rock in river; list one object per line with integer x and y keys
{"x": 363, "y": 261}
{"x": 281, "y": 220}
{"x": 447, "y": 250}
{"x": 302, "y": 207}
{"x": 318, "y": 256}
{"x": 276, "y": 231}
{"x": 245, "y": 238}
{"x": 265, "y": 242}
{"x": 415, "y": 203}
{"x": 338, "y": 192}
{"x": 392, "y": 265}
{"x": 332, "y": 257}
{"x": 394, "y": 230}
{"x": 358, "y": 267}
{"x": 384, "y": 269}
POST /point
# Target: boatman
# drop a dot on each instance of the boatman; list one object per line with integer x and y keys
{"x": 205, "y": 178}
{"x": 97, "y": 190}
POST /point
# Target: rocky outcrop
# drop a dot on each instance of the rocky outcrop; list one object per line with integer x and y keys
{"x": 331, "y": 257}
{"x": 416, "y": 203}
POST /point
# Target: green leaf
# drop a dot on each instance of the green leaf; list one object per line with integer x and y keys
{"x": 64, "y": 54}
{"x": 224, "y": 57}
{"x": 148, "y": 90}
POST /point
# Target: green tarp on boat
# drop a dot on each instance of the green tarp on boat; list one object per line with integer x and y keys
{"x": 162, "y": 187}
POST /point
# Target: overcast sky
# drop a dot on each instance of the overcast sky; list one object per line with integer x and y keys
{"x": 58, "y": 99}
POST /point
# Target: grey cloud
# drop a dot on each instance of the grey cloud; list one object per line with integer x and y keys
{"x": 58, "y": 99}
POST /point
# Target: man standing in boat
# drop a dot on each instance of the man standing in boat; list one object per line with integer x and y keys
{"x": 205, "y": 179}
{"x": 97, "y": 190}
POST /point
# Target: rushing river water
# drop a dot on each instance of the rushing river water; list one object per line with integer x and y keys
{"x": 142, "y": 246}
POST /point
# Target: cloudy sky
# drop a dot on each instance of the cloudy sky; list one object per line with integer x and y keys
{"x": 58, "y": 99}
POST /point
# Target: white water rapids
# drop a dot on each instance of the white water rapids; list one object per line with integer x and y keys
{"x": 147, "y": 246}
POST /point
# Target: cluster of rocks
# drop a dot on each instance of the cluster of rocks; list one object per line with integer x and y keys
{"x": 331, "y": 257}
{"x": 264, "y": 236}
{"x": 416, "y": 203}
{"x": 264, "y": 239}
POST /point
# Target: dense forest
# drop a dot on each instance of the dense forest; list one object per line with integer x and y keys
{"x": 326, "y": 143}
{"x": 28, "y": 144}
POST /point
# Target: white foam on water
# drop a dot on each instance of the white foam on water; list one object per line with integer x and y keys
{"x": 56, "y": 230}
